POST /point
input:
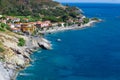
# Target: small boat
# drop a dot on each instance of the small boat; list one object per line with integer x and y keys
{"x": 59, "y": 40}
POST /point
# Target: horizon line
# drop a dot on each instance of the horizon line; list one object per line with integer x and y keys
{"x": 92, "y": 2}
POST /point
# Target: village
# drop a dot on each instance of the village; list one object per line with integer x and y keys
{"x": 17, "y": 26}
{"x": 26, "y": 26}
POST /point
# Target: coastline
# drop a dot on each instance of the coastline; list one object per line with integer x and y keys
{"x": 18, "y": 58}
{"x": 93, "y": 42}
{"x": 58, "y": 29}
{"x": 72, "y": 27}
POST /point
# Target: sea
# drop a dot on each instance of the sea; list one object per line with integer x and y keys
{"x": 92, "y": 53}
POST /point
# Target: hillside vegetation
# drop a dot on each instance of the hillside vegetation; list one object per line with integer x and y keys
{"x": 45, "y": 9}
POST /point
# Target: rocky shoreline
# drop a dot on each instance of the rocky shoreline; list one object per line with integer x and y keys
{"x": 72, "y": 27}
{"x": 18, "y": 58}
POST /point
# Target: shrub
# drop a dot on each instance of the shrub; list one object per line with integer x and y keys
{"x": 95, "y": 19}
{"x": 1, "y": 49}
{"x": 1, "y": 29}
{"x": 65, "y": 17}
{"x": 85, "y": 20}
{"x": 51, "y": 18}
{"x": 7, "y": 27}
{"x": 69, "y": 24}
{"x": 74, "y": 15}
{"x": 21, "y": 42}
{"x": 4, "y": 26}
{"x": 65, "y": 24}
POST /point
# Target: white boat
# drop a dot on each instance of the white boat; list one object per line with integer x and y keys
{"x": 59, "y": 40}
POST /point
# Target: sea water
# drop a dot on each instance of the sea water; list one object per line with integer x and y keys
{"x": 88, "y": 54}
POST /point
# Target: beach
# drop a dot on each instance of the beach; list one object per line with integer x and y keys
{"x": 72, "y": 27}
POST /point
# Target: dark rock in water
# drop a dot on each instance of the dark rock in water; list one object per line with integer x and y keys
{"x": 42, "y": 46}
{"x": 49, "y": 33}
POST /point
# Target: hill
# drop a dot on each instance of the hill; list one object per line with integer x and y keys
{"x": 45, "y": 9}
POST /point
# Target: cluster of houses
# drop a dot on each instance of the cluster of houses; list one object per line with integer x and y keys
{"x": 16, "y": 25}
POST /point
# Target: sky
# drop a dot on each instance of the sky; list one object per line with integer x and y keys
{"x": 92, "y": 1}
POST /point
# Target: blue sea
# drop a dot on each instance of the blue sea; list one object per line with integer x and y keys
{"x": 89, "y": 54}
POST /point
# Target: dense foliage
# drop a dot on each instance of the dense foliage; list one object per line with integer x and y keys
{"x": 95, "y": 19}
{"x": 86, "y": 20}
{"x": 1, "y": 49}
{"x": 21, "y": 42}
{"x": 45, "y": 9}
{"x": 4, "y": 27}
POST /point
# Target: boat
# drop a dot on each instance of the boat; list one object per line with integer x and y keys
{"x": 59, "y": 40}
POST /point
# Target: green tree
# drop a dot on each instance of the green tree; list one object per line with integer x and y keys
{"x": 21, "y": 42}
{"x": 85, "y": 20}
{"x": 1, "y": 49}
{"x": 65, "y": 17}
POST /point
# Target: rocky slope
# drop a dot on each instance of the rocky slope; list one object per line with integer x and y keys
{"x": 15, "y": 58}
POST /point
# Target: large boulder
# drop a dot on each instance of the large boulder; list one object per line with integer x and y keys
{"x": 45, "y": 44}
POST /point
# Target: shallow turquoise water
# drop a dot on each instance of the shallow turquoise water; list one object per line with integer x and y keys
{"x": 87, "y": 54}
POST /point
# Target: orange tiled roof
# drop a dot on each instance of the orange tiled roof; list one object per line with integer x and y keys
{"x": 39, "y": 22}
{"x": 15, "y": 29}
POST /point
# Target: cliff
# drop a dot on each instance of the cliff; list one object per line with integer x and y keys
{"x": 13, "y": 57}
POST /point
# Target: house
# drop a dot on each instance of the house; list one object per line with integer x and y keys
{"x": 16, "y": 20}
{"x": 80, "y": 20}
{"x": 11, "y": 26}
{"x": 16, "y": 29}
{"x": 13, "y": 19}
{"x": 27, "y": 27}
{"x": 32, "y": 23}
{"x": 40, "y": 24}
{"x": 17, "y": 25}
{"x": 9, "y": 18}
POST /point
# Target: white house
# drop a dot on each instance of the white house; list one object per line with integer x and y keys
{"x": 43, "y": 24}
{"x": 12, "y": 26}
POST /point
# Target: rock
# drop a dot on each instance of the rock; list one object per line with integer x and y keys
{"x": 15, "y": 57}
{"x": 20, "y": 60}
{"x": 4, "y": 75}
{"x": 44, "y": 45}
{"x": 44, "y": 40}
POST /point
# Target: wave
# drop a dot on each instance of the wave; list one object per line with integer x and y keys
{"x": 25, "y": 74}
